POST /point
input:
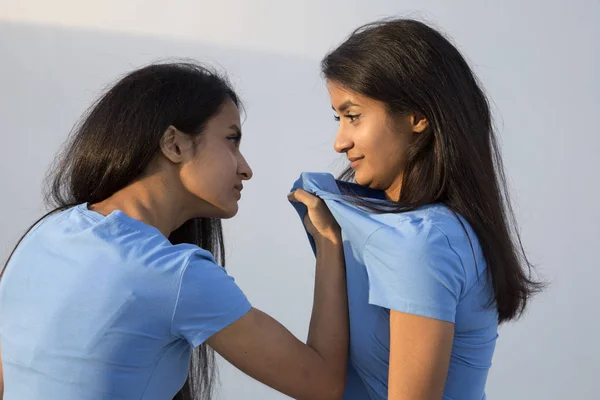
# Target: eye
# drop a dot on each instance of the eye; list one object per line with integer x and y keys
{"x": 351, "y": 117}
{"x": 235, "y": 139}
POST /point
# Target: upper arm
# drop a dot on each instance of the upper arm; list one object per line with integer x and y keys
{"x": 264, "y": 349}
{"x": 420, "y": 349}
{"x": 417, "y": 275}
{"x": 416, "y": 271}
{"x": 212, "y": 308}
{"x": 208, "y": 300}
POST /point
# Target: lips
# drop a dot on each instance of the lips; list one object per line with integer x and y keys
{"x": 354, "y": 161}
{"x": 238, "y": 189}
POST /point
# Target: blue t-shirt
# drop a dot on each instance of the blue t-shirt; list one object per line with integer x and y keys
{"x": 95, "y": 307}
{"x": 419, "y": 262}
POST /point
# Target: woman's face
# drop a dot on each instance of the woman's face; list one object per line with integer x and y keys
{"x": 375, "y": 142}
{"x": 214, "y": 172}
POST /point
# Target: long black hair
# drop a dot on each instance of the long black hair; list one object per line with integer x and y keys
{"x": 119, "y": 137}
{"x": 411, "y": 67}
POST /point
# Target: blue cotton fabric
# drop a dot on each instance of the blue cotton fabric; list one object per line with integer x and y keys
{"x": 425, "y": 262}
{"x": 105, "y": 307}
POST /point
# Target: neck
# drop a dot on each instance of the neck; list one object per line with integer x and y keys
{"x": 393, "y": 191}
{"x": 151, "y": 201}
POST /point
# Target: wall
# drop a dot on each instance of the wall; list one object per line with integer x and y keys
{"x": 539, "y": 62}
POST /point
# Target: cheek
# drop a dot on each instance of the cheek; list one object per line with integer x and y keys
{"x": 211, "y": 177}
{"x": 210, "y": 191}
{"x": 393, "y": 163}
{"x": 386, "y": 154}
{"x": 203, "y": 176}
{"x": 196, "y": 181}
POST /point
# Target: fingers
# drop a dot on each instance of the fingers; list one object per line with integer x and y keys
{"x": 302, "y": 196}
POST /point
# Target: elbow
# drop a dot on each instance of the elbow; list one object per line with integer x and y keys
{"x": 338, "y": 392}
{"x": 336, "y": 385}
{"x": 323, "y": 384}
{"x": 331, "y": 394}
{"x": 327, "y": 387}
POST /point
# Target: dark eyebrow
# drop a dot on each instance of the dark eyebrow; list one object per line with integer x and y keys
{"x": 345, "y": 105}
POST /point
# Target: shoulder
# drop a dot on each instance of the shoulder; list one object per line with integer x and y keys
{"x": 433, "y": 237}
{"x": 427, "y": 228}
{"x": 426, "y": 243}
{"x": 413, "y": 266}
{"x": 417, "y": 229}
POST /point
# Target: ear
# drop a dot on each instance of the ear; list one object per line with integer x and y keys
{"x": 419, "y": 122}
{"x": 174, "y": 144}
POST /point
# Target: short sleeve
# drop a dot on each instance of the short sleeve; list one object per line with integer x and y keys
{"x": 208, "y": 301}
{"x": 414, "y": 270}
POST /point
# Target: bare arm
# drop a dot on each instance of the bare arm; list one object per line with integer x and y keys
{"x": 420, "y": 351}
{"x": 264, "y": 349}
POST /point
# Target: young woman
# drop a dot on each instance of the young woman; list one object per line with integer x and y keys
{"x": 433, "y": 264}
{"x": 107, "y": 295}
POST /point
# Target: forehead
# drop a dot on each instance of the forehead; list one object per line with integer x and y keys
{"x": 337, "y": 91}
{"x": 343, "y": 97}
{"x": 228, "y": 114}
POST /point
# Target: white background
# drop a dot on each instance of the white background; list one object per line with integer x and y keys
{"x": 539, "y": 62}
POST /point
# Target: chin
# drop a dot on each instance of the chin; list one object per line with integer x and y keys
{"x": 224, "y": 211}
{"x": 229, "y": 212}
{"x": 228, "y": 215}
{"x": 362, "y": 180}
{"x": 370, "y": 183}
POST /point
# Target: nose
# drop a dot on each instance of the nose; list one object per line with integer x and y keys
{"x": 244, "y": 169}
{"x": 342, "y": 142}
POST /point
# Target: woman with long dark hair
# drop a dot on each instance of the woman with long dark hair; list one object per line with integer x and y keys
{"x": 433, "y": 261}
{"x": 119, "y": 292}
